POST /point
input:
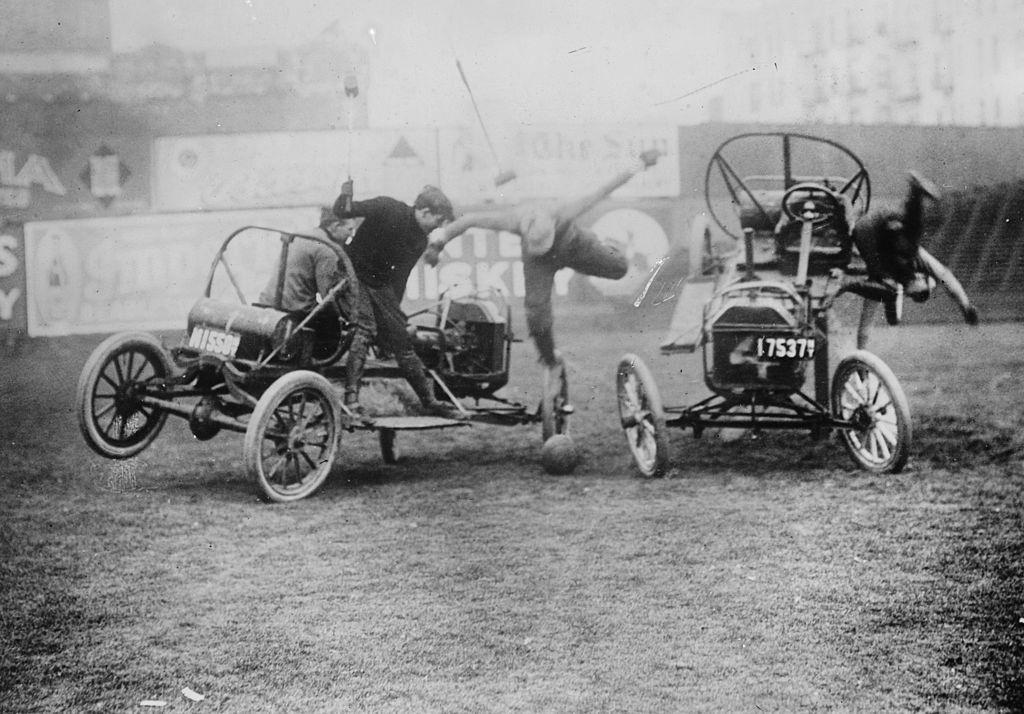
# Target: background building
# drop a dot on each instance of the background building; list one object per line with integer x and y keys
{"x": 929, "y": 62}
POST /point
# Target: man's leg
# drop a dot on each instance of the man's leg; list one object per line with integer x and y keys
{"x": 365, "y": 332}
{"x": 393, "y": 336}
{"x": 587, "y": 254}
{"x": 539, "y": 278}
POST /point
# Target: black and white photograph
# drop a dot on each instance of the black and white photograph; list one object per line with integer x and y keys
{"x": 545, "y": 356}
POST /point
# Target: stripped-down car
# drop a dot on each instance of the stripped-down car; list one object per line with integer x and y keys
{"x": 275, "y": 376}
{"x": 764, "y": 327}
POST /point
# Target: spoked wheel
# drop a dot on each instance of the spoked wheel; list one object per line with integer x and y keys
{"x": 554, "y": 407}
{"x": 388, "y": 448}
{"x": 292, "y": 438}
{"x": 642, "y": 416}
{"x": 866, "y": 392}
{"x": 111, "y": 415}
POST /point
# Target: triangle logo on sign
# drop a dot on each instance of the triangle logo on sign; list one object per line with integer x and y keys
{"x": 403, "y": 151}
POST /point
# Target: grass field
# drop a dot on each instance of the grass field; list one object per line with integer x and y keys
{"x": 764, "y": 574}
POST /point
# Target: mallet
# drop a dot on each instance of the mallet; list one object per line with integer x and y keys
{"x": 351, "y": 92}
{"x": 503, "y": 177}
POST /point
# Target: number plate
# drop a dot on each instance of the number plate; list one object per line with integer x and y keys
{"x": 772, "y": 348}
{"x": 207, "y": 339}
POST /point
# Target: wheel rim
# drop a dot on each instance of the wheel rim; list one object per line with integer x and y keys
{"x": 638, "y": 420}
{"x": 870, "y": 406}
{"x": 117, "y": 413}
{"x": 297, "y": 443}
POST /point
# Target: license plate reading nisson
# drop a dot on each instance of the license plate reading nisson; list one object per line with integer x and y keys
{"x": 206, "y": 339}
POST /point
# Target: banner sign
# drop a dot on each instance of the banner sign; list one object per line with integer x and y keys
{"x": 219, "y": 172}
{"x": 143, "y": 272}
{"x": 557, "y": 161}
{"x": 83, "y": 177}
{"x": 485, "y": 259}
{"x": 12, "y": 279}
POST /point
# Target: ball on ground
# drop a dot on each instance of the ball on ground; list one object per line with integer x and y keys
{"x": 559, "y": 454}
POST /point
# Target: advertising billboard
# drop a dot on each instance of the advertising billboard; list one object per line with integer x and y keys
{"x": 234, "y": 171}
{"x": 141, "y": 272}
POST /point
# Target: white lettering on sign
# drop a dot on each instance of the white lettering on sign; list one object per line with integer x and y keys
{"x": 567, "y": 146}
{"x": 491, "y": 276}
{"x": 35, "y": 171}
{"x": 506, "y": 277}
{"x": 14, "y": 197}
{"x": 7, "y": 302}
{"x": 509, "y": 245}
{"x": 8, "y": 258}
{"x": 116, "y": 268}
{"x": 286, "y": 184}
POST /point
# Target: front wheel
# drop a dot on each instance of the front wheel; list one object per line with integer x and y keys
{"x": 292, "y": 437}
{"x": 112, "y": 416}
{"x": 554, "y": 407}
{"x": 866, "y": 392}
{"x": 642, "y": 416}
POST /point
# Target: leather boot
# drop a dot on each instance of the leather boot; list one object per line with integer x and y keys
{"x": 354, "y": 369}
{"x": 423, "y": 386}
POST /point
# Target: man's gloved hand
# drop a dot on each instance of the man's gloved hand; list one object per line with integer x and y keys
{"x": 432, "y": 255}
{"x": 346, "y": 195}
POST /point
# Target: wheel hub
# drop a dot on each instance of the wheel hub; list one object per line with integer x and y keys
{"x": 296, "y": 437}
{"x": 126, "y": 398}
{"x": 862, "y": 419}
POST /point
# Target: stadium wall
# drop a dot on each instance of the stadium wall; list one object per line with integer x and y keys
{"x": 123, "y": 169}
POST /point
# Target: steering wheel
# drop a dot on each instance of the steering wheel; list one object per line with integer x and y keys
{"x": 812, "y": 202}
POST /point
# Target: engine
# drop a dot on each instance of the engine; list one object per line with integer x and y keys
{"x": 470, "y": 347}
{"x": 757, "y": 339}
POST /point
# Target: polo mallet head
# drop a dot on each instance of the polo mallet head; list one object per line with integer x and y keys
{"x": 504, "y": 177}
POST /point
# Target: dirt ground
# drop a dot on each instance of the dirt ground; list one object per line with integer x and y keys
{"x": 764, "y": 574}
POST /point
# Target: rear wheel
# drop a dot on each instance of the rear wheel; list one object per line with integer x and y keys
{"x": 554, "y": 407}
{"x": 111, "y": 415}
{"x": 642, "y": 416}
{"x": 866, "y": 392}
{"x": 292, "y": 438}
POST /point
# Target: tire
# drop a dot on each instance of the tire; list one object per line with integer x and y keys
{"x": 642, "y": 416}
{"x": 554, "y": 406}
{"x": 865, "y": 391}
{"x": 113, "y": 421}
{"x": 293, "y": 436}
{"x": 388, "y": 448}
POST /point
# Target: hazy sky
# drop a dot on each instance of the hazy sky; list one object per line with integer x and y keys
{"x": 527, "y": 61}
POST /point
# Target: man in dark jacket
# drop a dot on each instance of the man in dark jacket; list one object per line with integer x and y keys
{"x": 384, "y": 249}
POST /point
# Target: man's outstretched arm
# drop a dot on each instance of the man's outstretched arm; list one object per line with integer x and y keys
{"x": 572, "y": 210}
{"x": 488, "y": 220}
